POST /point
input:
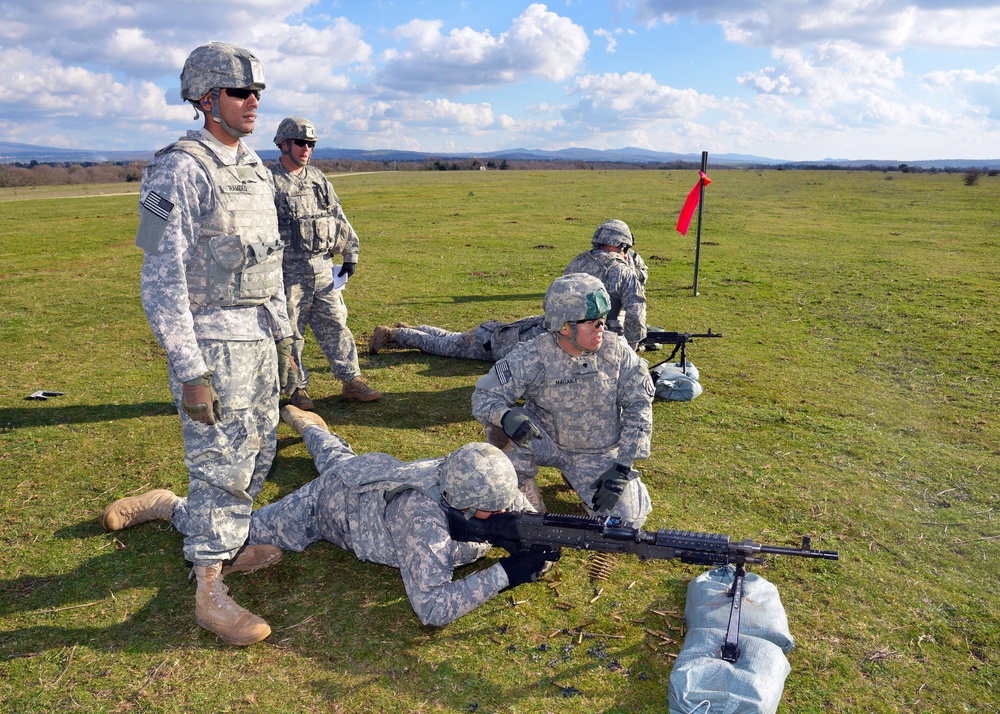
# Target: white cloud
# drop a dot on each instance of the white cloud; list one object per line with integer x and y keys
{"x": 978, "y": 92}
{"x": 538, "y": 43}
{"x": 891, "y": 24}
{"x": 609, "y": 37}
{"x": 620, "y": 100}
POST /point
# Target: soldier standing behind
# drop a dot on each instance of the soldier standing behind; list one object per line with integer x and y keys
{"x": 587, "y": 404}
{"x": 211, "y": 288}
{"x": 314, "y": 229}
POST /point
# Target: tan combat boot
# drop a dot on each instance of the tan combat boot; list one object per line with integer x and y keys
{"x": 300, "y": 398}
{"x": 215, "y": 610}
{"x": 404, "y": 325}
{"x": 357, "y": 389}
{"x": 250, "y": 558}
{"x": 379, "y": 338}
{"x": 299, "y": 419}
{"x": 157, "y": 504}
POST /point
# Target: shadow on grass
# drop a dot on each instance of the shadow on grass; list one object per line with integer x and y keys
{"x": 35, "y": 414}
{"x": 94, "y": 593}
{"x": 399, "y": 410}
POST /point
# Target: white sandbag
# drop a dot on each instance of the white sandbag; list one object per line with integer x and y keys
{"x": 701, "y": 682}
{"x": 672, "y": 384}
{"x": 762, "y": 614}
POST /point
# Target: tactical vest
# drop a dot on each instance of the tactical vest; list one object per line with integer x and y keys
{"x": 305, "y": 220}
{"x": 373, "y": 480}
{"x": 577, "y": 399}
{"x": 237, "y": 260}
{"x": 506, "y": 336}
{"x": 597, "y": 263}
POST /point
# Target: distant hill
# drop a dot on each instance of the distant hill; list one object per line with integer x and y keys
{"x": 26, "y": 153}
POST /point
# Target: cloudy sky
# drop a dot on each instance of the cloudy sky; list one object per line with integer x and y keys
{"x": 784, "y": 79}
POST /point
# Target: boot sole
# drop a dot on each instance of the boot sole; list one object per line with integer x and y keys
{"x": 250, "y": 640}
{"x": 228, "y": 569}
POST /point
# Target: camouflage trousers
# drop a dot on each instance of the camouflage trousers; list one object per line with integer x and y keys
{"x": 318, "y": 510}
{"x": 312, "y": 302}
{"x": 228, "y": 461}
{"x": 438, "y": 341}
{"x": 581, "y": 472}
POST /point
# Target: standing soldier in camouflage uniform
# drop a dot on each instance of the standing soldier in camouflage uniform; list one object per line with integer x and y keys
{"x": 314, "y": 229}
{"x": 211, "y": 288}
{"x": 612, "y": 261}
{"x": 587, "y": 404}
{"x": 402, "y": 515}
{"x": 623, "y": 276}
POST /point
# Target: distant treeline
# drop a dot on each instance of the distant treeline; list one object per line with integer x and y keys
{"x": 35, "y": 173}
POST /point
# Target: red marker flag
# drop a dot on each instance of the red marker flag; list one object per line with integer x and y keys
{"x": 691, "y": 203}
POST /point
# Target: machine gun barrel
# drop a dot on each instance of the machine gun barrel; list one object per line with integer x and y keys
{"x": 611, "y": 534}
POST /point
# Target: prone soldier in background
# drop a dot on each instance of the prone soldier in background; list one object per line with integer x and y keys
{"x": 314, "y": 229}
{"x": 612, "y": 260}
{"x": 587, "y": 404}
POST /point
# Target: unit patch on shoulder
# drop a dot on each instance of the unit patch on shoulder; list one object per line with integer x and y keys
{"x": 158, "y": 205}
{"x": 647, "y": 383}
{"x": 503, "y": 371}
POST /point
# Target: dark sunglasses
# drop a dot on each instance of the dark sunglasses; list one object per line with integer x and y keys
{"x": 242, "y": 93}
{"x": 303, "y": 142}
{"x": 597, "y": 322}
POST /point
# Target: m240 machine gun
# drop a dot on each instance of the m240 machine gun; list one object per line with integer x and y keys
{"x": 679, "y": 340}
{"x": 611, "y": 534}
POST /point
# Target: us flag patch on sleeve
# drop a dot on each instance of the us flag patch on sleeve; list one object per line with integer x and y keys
{"x": 503, "y": 371}
{"x": 157, "y": 205}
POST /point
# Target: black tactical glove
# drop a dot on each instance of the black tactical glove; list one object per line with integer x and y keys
{"x": 527, "y": 566}
{"x": 347, "y": 269}
{"x": 200, "y": 401}
{"x": 519, "y": 428}
{"x": 608, "y": 489}
{"x": 288, "y": 371}
{"x": 500, "y": 529}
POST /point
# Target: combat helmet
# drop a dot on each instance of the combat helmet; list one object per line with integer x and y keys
{"x": 295, "y": 128}
{"x": 613, "y": 232}
{"x": 478, "y": 476}
{"x": 217, "y": 66}
{"x": 572, "y": 298}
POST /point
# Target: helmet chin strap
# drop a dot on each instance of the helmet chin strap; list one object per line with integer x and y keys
{"x": 572, "y": 340}
{"x": 286, "y": 150}
{"x": 217, "y": 117}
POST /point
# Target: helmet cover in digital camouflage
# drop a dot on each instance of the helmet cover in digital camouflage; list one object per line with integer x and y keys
{"x": 478, "y": 476}
{"x": 220, "y": 65}
{"x": 572, "y": 298}
{"x": 613, "y": 232}
{"x": 295, "y": 128}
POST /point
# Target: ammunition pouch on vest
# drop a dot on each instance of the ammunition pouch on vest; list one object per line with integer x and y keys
{"x": 237, "y": 259}
{"x": 578, "y": 407}
{"x": 307, "y": 223}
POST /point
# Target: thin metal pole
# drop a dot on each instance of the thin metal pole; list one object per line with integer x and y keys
{"x": 701, "y": 204}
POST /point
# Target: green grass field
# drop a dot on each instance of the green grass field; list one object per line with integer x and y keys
{"x": 852, "y": 397}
